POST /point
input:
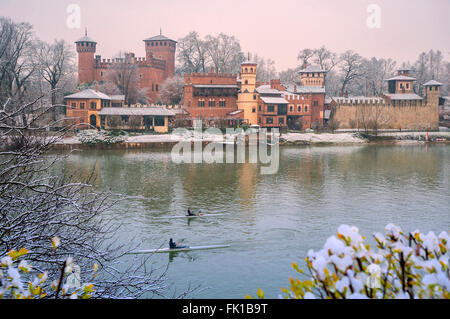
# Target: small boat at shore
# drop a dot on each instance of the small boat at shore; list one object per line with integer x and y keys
{"x": 172, "y": 250}
{"x": 194, "y": 216}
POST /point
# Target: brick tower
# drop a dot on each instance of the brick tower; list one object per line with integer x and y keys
{"x": 163, "y": 48}
{"x": 86, "y": 50}
{"x": 247, "y": 98}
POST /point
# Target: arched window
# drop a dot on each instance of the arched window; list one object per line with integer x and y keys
{"x": 251, "y": 70}
{"x": 246, "y": 81}
{"x": 246, "y": 70}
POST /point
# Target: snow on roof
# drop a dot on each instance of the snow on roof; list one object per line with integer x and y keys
{"x": 152, "y": 111}
{"x": 266, "y": 89}
{"x": 88, "y": 94}
{"x": 211, "y": 86}
{"x": 358, "y": 99}
{"x": 117, "y": 97}
{"x": 313, "y": 68}
{"x": 235, "y": 112}
{"x": 85, "y": 39}
{"x": 407, "y": 96}
{"x": 159, "y": 37}
{"x": 432, "y": 82}
{"x": 401, "y": 78}
{"x": 273, "y": 100}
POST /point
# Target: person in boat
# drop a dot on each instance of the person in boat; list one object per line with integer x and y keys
{"x": 190, "y": 213}
{"x": 174, "y": 245}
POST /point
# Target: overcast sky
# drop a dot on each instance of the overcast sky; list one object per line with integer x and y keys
{"x": 273, "y": 29}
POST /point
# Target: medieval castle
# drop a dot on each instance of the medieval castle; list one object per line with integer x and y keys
{"x": 157, "y": 65}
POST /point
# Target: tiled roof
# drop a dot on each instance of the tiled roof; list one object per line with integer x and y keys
{"x": 88, "y": 94}
{"x": 117, "y": 97}
{"x": 152, "y": 111}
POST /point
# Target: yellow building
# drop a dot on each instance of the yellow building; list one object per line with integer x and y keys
{"x": 248, "y": 97}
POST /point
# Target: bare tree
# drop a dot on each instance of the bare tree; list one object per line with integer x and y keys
{"x": 350, "y": 67}
{"x": 225, "y": 53}
{"x": 192, "y": 54}
{"x": 16, "y": 64}
{"x": 304, "y": 56}
{"x": 172, "y": 90}
{"x": 55, "y": 65}
{"x": 326, "y": 59}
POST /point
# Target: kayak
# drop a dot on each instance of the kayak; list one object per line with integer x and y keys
{"x": 186, "y": 216}
{"x": 170, "y": 250}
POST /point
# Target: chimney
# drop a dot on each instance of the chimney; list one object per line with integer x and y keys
{"x": 211, "y": 70}
{"x": 96, "y": 87}
{"x": 305, "y": 64}
{"x": 346, "y": 93}
{"x": 340, "y": 93}
{"x": 295, "y": 88}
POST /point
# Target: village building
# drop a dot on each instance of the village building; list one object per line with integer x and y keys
{"x": 399, "y": 108}
{"x": 212, "y": 97}
{"x": 150, "y": 71}
{"x": 91, "y": 108}
{"x": 283, "y": 106}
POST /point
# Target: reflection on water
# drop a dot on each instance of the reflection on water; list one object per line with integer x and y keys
{"x": 273, "y": 219}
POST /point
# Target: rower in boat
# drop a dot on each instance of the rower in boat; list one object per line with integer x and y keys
{"x": 190, "y": 213}
{"x": 174, "y": 245}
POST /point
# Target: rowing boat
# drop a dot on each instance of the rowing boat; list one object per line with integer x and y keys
{"x": 186, "y": 216}
{"x": 170, "y": 250}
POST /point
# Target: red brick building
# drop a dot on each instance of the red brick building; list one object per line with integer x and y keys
{"x": 151, "y": 70}
{"x": 211, "y": 96}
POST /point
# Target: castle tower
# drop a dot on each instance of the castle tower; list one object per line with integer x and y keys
{"x": 86, "y": 50}
{"x": 402, "y": 83}
{"x": 247, "y": 98}
{"x": 163, "y": 48}
{"x": 312, "y": 76}
{"x": 432, "y": 92}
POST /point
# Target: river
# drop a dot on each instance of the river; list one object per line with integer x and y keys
{"x": 273, "y": 220}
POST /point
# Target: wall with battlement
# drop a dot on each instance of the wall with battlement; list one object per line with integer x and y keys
{"x": 408, "y": 115}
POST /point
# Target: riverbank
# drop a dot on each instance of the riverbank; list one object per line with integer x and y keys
{"x": 341, "y": 138}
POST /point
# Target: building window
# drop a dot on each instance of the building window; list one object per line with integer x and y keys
{"x": 159, "y": 121}
{"x": 124, "y": 119}
{"x": 93, "y": 105}
{"x": 270, "y": 108}
{"x": 316, "y": 103}
{"x": 74, "y": 105}
{"x": 152, "y": 43}
{"x": 81, "y": 106}
{"x": 156, "y": 87}
{"x": 251, "y": 70}
{"x": 281, "y": 120}
{"x": 291, "y": 109}
{"x": 201, "y": 103}
{"x": 211, "y": 103}
{"x": 153, "y": 87}
{"x": 407, "y": 85}
{"x": 253, "y": 109}
{"x": 254, "y": 96}
{"x": 306, "y": 108}
{"x": 299, "y": 108}
{"x": 101, "y": 73}
{"x": 222, "y": 103}
{"x": 269, "y": 120}
{"x": 246, "y": 81}
{"x": 259, "y": 108}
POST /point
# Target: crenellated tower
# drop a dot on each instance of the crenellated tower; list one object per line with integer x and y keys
{"x": 162, "y": 48}
{"x": 86, "y": 49}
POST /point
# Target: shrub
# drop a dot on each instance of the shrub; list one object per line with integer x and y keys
{"x": 412, "y": 265}
{"x": 93, "y": 137}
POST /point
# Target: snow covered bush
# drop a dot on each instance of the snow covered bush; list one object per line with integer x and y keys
{"x": 19, "y": 280}
{"x": 93, "y": 137}
{"x": 413, "y": 265}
